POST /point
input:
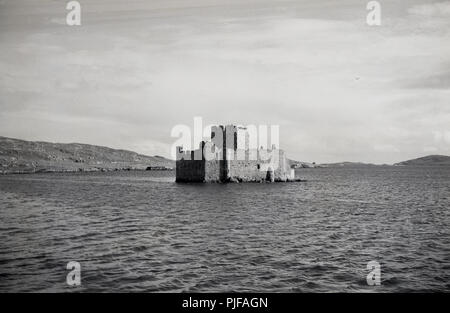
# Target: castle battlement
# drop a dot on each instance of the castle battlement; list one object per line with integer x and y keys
{"x": 229, "y": 156}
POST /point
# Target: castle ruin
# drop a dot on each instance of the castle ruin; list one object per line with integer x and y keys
{"x": 229, "y": 158}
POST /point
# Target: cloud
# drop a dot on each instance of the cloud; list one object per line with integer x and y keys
{"x": 433, "y": 81}
{"x": 58, "y": 20}
{"x": 437, "y": 9}
{"x": 339, "y": 89}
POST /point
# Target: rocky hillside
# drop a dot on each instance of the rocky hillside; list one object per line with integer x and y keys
{"x": 20, "y": 156}
{"x": 441, "y": 160}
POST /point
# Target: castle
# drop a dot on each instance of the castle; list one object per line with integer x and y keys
{"x": 228, "y": 158}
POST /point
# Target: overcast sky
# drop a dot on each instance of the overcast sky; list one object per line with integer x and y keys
{"x": 339, "y": 89}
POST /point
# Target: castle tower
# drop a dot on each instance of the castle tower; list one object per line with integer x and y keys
{"x": 228, "y": 159}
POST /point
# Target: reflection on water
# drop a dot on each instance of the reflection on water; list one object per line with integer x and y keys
{"x": 139, "y": 231}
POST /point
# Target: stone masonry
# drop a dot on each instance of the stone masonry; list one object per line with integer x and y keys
{"x": 228, "y": 158}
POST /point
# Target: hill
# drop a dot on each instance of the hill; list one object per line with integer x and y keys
{"x": 349, "y": 164}
{"x": 20, "y": 156}
{"x": 299, "y": 164}
{"x": 441, "y": 160}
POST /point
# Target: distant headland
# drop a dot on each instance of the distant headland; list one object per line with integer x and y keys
{"x": 430, "y": 160}
{"x": 441, "y": 160}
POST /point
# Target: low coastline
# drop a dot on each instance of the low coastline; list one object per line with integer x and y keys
{"x": 81, "y": 170}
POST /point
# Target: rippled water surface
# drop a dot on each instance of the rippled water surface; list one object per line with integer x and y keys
{"x": 139, "y": 231}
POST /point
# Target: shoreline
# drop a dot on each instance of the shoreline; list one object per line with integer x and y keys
{"x": 96, "y": 170}
{"x": 169, "y": 169}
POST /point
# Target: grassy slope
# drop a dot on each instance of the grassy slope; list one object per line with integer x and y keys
{"x": 20, "y": 156}
{"x": 427, "y": 160}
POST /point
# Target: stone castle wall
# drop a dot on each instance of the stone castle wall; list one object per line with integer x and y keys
{"x": 257, "y": 170}
{"x": 213, "y": 170}
{"x": 231, "y": 160}
{"x": 190, "y": 170}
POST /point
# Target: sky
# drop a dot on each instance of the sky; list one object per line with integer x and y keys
{"x": 339, "y": 89}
